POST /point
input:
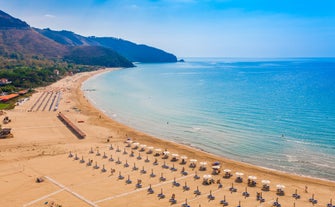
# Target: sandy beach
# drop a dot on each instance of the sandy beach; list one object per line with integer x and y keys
{"x": 103, "y": 169}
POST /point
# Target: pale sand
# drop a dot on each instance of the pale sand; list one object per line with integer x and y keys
{"x": 41, "y": 146}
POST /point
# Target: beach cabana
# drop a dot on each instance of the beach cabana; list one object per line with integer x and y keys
{"x": 157, "y": 152}
{"x": 174, "y": 157}
{"x": 216, "y": 169}
{"x": 135, "y": 145}
{"x": 239, "y": 178}
{"x": 203, "y": 166}
{"x": 129, "y": 142}
{"x": 166, "y": 154}
{"x": 183, "y": 159}
{"x": 227, "y": 173}
{"x": 143, "y": 146}
{"x": 193, "y": 163}
{"x": 280, "y": 189}
{"x": 266, "y": 186}
{"x": 207, "y": 179}
{"x": 252, "y": 180}
{"x": 150, "y": 148}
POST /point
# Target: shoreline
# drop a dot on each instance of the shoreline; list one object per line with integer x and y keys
{"x": 200, "y": 149}
{"x": 41, "y": 145}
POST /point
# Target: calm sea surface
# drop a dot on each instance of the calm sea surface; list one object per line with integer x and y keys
{"x": 276, "y": 113}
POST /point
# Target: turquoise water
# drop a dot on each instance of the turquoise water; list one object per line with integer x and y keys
{"x": 276, "y": 113}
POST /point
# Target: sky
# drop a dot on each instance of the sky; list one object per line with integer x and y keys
{"x": 195, "y": 28}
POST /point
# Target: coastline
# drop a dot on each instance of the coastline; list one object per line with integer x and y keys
{"x": 102, "y": 131}
{"x": 191, "y": 148}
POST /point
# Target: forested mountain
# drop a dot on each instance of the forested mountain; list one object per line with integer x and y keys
{"x": 132, "y": 51}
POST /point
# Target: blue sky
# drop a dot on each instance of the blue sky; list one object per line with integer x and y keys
{"x": 195, "y": 28}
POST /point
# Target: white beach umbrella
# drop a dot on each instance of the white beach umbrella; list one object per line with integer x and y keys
{"x": 129, "y": 141}
{"x": 150, "y": 148}
{"x": 207, "y": 176}
{"x": 193, "y": 160}
{"x": 175, "y": 155}
{"x": 280, "y": 186}
{"x": 216, "y": 167}
{"x": 251, "y": 177}
{"x": 183, "y": 157}
{"x": 143, "y": 145}
{"x": 266, "y": 182}
{"x": 227, "y": 170}
{"x": 203, "y": 163}
{"x": 166, "y": 152}
{"x": 239, "y": 174}
{"x": 158, "y": 150}
{"x": 136, "y": 143}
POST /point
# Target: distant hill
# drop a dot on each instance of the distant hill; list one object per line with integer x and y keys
{"x": 133, "y": 52}
{"x": 19, "y": 41}
{"x": 9, "y": 22}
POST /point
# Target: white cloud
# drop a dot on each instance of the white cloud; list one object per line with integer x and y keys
{"x": 49, "y": 16}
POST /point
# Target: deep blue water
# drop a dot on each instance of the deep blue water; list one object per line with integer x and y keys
{"x": 276, "y": 113}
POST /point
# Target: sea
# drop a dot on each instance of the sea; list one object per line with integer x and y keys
{"x": 274, "y": 113}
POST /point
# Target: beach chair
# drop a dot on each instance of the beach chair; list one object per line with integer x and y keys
{"x": 185, "y": 187}
{"x": 143, "y": 171}
{"x": 126, "y": 164}
{"x": 150, "y": 190}
{"x": 196, "y": 176}
{"x": 118, "y": 161}
{"x": 103, "y": 169}
{"x": 139, "y": 183}
{"x": 175, "y": 183}
{"x": 232, "y": 189}
{"x": 161, "y": 194}
{"x": 245, "y": 193}
{"x": 197, "y": 191}
{"x": 120, "y": 177}
{"x": 296, "y": 195}
{"x": 147, "y": 159}
{"x": 70, "y": 155}
{"x": 172, "y": 200}
{"x": 224, "y": 202}
{"x": 82, "y": 160}
{"x": 165, "y": 166}
{"x": 139, "y": 157}
{"x": 210, "y": 196}
{"x": 162, "y": 178}
{"x": 152, "y": 173}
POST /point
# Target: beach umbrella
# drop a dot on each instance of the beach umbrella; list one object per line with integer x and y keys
{"x": 266, "y": 182}
{"x": 251, "y": 177}
{"x": 203, "y": 163}
{"x": 150, "y": 148}
{"x": 227, "y": 170}
{"x": 129, "y": 141}
{"x": 158, "y": 150}
{"x": 216, "y": 167}
{"x": 175, "y": 155}
{"x": 166, "y": 152}
{"x": 239, "y": 174}
{"x": 207, "y": 176}
{"x": 216, "y": 163}
{"x": 280, "y": 186}
{"x": 193, "y": 160}
{"x": 143, "y": 145}
{"x": 136, "y": 143}
{"x": 183, "y": 157}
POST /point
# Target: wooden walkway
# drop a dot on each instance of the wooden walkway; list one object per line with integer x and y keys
{"x": 80, "y": 134}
